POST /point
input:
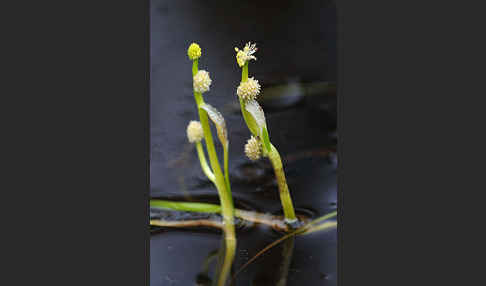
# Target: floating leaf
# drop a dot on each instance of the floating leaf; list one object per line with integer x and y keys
{"x": 218, "y": 120}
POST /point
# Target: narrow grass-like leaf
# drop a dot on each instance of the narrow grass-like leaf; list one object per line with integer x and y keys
{"x": 321, "y": 226}
{"x": 185, "y": 206}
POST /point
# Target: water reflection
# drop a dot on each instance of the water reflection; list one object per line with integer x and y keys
{"x": 297, "y": 69}
{"x": 263, "y": 278}
{"x": 203, "y": 277}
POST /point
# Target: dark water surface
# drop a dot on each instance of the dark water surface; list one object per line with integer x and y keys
{"x": 296, "y": 67}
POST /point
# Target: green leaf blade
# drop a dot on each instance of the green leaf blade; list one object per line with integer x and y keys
{"x": 218, "y": 120}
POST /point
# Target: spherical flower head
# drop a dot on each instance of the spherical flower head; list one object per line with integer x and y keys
{"x": 194, "y": 51}
{"x": 194, "y": 131}
{"x": 253, "y": 149}
{"x": 201, "y": 81}
{"x": 242, "y": 56}
{"x": 249, "y": 89}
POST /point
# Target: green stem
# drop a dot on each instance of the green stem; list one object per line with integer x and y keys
{"x": 244, "y": 72}
{"x": 250, "y": 123}
{"x": 195, "y": 67}
{"x": 226, "y": 200}
{"x": 226, "y": 169}
{"x": 283, "y": 189}
{"x": 204, "y": 164}
{"x": 274, "y": 157}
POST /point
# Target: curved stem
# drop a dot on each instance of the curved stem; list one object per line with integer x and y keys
{"x": 246, "y": 116}
{"x": 226, "y": 169}
{"x": 226, "y": 200}
{"x": 204, "y": 164}
{"x": 274, "y": 157}
{"x": 322, "y": 226}
{"x": 283, "y": 189}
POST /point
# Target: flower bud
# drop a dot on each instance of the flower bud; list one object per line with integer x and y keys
{"x": 253, "y": 149}
{"x": 249, "y": 89}
{"x": 201, "y": 81}
{"x": 194, "y": 51}
{"x": 194, "y": 131}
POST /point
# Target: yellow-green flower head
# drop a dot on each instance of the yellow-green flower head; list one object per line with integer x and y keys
{"x": 194, "y": 131}
{"x": 249, "y": 89}
{"x": 201, "y": 81}
{"x": 194, "y": 51}
{"x": 253, "y": 149}
{"x": 242, "y": 56}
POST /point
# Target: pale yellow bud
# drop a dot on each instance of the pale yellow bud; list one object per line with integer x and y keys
{"x": 253, "y": 149}
{"x": 249, "y": 89}
{"x": 194, "y": 131}
{"x": 201, "y": 81}
{"x": 194, "y": 51}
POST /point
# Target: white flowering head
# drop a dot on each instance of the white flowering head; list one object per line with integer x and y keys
{"x": 242, "y": 56}
{"x": 194, "y": 51}
{"x": 194, "y": 131}
{"x": 201, "y": 81}
{"x": 249, "y": 89}
{"x": 253, "y": 149}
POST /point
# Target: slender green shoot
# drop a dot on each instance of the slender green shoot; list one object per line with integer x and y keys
{"x": 224, "y": 193}
{"x": 255, "y": 120}
{"x": 204, "y": 164}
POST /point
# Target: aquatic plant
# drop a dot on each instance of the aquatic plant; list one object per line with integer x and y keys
{"x": 249, "y": 216}
{"x": 257, "y": 146}
{"x": 254, "y": 117}
{"x": 201, "y": 84}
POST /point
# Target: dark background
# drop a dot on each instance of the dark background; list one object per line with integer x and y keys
{"x": 297, "y": 44}
{"x": 76, "y": 180}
